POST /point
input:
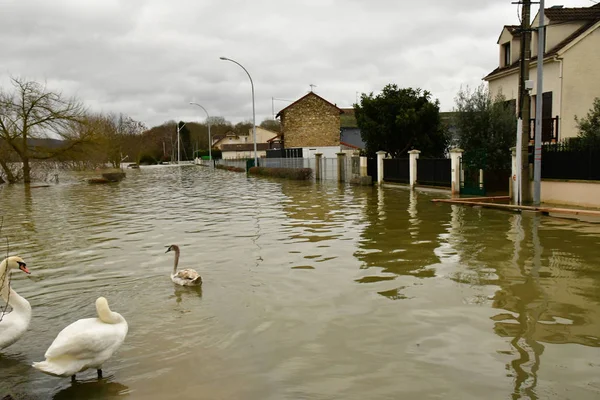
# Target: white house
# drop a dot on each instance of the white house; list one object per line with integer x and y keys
{"x": 571, "y": 67}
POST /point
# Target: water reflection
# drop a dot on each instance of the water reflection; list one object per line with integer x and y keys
{"x": 399, "y": 238}
{"x": 97, "y": 389}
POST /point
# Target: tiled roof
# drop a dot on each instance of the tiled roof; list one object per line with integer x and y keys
{"x": 305, "y": 96}
{"x": 555, "y": 14}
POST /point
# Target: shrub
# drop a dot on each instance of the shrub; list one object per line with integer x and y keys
{"x": 215, "y": 153}
{"x": 229, "y": 168}
{"x": 287, "y": 173}
{"x": 147, "y": 159}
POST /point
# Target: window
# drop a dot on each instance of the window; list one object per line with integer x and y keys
{"x": 506, "y": 54}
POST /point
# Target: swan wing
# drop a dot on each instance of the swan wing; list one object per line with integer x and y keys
{"x": 85, "y": 338}
{"x": 187, "y": 274}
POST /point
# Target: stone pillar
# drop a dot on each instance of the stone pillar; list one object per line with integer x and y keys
{"x": 341, "y": 167}
{"x": 355, "y": 164}
{"x": 318, "y": 157}
{"x": 412, "y": 165}
{"x": 380, "y": 155}
{"x": 455, "y": 155}
{"x": 363, "y": 166}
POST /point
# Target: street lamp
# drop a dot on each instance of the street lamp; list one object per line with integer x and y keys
{"x": 179, "y": 128}
{"x": 253, "y": 112}
{"x": 208, "y": 122}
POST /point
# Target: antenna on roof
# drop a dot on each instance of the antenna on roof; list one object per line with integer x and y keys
{"x": 312, "y": 86}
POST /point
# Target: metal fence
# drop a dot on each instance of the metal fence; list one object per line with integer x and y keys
{"x": 434, "y": 172}
{"x": 569, "y": 160}
{"x": 329, "y": 166}
{"x": 396, "y": 170}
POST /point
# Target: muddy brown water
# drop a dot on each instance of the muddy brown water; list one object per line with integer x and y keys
{"x": 311, "y": 291}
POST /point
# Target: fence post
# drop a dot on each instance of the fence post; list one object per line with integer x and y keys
{"x": 380, "y": 155}
{"x": 412, "y": 167}
{"x": 355, "y": 164}
{"x": 455, "y": 155}
{"x": 363, "y": 166}
{"x": 318, "y": 166}
{"x": 341, "y": 167}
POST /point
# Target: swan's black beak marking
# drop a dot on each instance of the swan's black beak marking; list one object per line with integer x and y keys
{"x": 23, "y": 267}
{"x": 168, "y": 250}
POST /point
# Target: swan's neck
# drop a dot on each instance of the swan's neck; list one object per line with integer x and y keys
{"x": 107, "y": 316}
{"x": 16, "y": 302}
{"x": 176, "y": 262}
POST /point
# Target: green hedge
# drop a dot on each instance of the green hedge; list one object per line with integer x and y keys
{"x": 216, "y": 154}
{"x": 228, "y": 168}
{"x": 288, "y": 173}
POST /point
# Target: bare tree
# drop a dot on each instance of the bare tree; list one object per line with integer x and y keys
{"x": 31, "y": 112}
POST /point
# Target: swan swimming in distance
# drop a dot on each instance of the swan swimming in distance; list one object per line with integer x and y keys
{"x": 185, "y": 277}
{"x": 86, "y": 343}
{"x": 14, "y": 324}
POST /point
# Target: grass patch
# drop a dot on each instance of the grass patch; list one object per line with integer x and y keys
{"x": 300, "y": 174}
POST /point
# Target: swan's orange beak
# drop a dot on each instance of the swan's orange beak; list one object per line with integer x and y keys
{"x": 23, "y": 267}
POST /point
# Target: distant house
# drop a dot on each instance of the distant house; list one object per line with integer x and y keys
{"x": 350, "y": 137}
{"x": 313, "y": 124}
{"x": 571, "y": 68}
{"x": 243, "y": 150}
{"x": 234, "y": 146}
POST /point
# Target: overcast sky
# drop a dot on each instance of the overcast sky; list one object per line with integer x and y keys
{"x": 150, "y": 58}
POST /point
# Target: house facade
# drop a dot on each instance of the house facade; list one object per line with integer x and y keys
{"x": 571, "y": 68}
{"x": 238, "y": 146}
{"x": 262, "y": 136}
{"x": 313, "y": 124}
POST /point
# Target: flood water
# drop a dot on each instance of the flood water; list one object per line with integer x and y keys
{"x": 311, "y": 291}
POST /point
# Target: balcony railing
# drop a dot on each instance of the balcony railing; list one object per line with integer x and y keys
{"x": 549, "y": 130}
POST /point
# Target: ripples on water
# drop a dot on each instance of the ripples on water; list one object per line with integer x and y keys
{"x": 310, "y": 291}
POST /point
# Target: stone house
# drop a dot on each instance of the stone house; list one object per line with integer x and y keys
{"x": 313, "y": 124}
{"x": 571, "y": 68}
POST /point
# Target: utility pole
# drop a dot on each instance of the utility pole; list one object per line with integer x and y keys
{"x": 537, "y": 152}
{"x": 524, "y": 100}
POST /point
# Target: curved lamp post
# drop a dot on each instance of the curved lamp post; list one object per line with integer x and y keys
{"x": 253, "y": 112}
{"x": 208, "y": 122}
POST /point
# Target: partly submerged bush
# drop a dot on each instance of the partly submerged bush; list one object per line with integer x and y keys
{"x": 229, "y": 168}
{"x": 288, "y": 173}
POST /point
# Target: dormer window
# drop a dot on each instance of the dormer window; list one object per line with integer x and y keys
{"x": 506, "y": 54}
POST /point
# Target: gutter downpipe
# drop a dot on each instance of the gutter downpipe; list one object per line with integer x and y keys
{"x": 560, "y": 102}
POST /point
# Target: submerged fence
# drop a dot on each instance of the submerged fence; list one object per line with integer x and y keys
{"x": 328, "y": 165}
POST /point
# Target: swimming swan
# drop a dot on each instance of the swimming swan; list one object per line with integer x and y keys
{"x": 185, "y": 277}
{"x": 14, "y": 324}
{"x": 86, "y": 343}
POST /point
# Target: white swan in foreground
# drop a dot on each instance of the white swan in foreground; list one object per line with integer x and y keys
{"x": 185, "y": 277}
{"x": 14, "y": 324}
{"x": 86, "y": 343}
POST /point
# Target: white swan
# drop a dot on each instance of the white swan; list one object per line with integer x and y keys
{"x": 14, "y": 324}
{"x": 185, "y": 277}
{"x": 86, "y": 343}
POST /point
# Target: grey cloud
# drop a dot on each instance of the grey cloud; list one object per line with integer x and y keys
{"x": 149, "y": 58}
